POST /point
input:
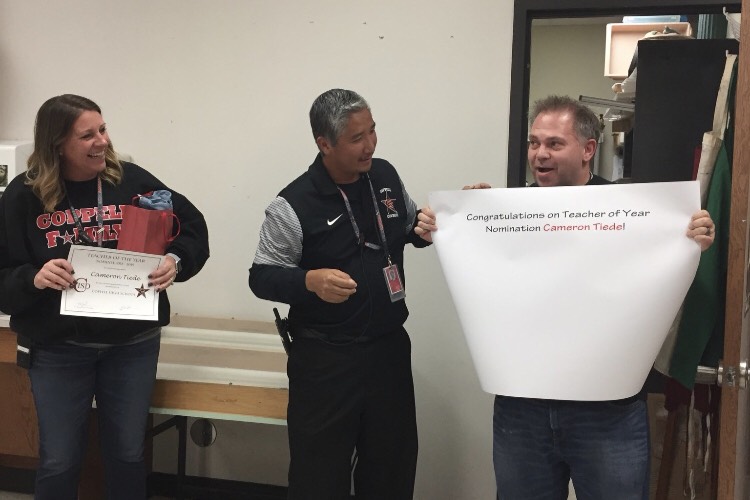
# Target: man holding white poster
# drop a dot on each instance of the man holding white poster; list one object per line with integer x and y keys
{"x": 545, "y": 433}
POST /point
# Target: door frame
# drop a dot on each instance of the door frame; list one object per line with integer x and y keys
{"x": 525, "y": 11}
{"x": 737, "y": 324}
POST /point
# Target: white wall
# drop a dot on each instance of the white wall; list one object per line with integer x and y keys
{"x": 212, "y": 97}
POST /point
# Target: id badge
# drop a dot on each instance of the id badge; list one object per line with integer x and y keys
{"x": 393, "y": 280}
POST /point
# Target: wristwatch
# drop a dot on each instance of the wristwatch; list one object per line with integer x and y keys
{"x": 177, "y": 263}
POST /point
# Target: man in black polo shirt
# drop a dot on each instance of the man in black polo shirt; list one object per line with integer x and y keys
{"x": 332, "y": 247}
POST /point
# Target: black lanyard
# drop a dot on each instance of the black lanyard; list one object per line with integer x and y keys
{"x": 357, "y": 234}
{"x": 99, "y": 215}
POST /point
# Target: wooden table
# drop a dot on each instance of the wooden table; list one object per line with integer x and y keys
{"x": 226, "y": 369}
{"x": 19, "y": 435}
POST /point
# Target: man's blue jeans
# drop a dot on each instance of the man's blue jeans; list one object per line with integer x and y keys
{"x": 540, "y": 445}
{"x": 64, "y": 380}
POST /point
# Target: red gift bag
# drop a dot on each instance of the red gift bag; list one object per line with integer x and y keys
{"x": 147, "y": 231}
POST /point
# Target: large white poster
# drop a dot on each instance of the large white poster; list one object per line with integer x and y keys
{"x": 567, "y": 292}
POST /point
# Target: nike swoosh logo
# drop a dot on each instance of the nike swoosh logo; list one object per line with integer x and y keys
{"x": 332, "y": 222}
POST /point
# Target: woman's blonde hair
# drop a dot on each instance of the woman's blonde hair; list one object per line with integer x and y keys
{"x": 54, "y": 121}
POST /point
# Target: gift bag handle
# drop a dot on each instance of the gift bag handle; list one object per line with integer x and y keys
{"x": 170, "y": 237}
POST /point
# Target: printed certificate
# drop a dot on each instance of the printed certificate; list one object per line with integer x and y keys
{"x": 111, "y": 284}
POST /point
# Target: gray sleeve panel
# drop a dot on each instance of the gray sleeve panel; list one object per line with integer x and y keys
{"x": 280, "y": 236}
{"x": 411, "y": 210}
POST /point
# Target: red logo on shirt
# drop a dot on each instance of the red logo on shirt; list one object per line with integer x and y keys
{"x": 390, "y": 203}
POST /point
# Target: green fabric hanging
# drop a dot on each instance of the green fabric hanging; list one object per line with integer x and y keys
{"x": 700, "y": 339}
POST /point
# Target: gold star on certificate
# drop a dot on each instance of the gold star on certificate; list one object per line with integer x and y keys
{"x": 141, "y": 291}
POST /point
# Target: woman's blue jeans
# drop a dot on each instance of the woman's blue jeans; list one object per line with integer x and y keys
{"x": 64, "y": 380}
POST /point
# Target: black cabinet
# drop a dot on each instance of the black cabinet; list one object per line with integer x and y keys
{"x": 676, "y": 92}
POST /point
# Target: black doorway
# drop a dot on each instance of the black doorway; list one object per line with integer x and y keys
{"x": 525, "y": 11}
